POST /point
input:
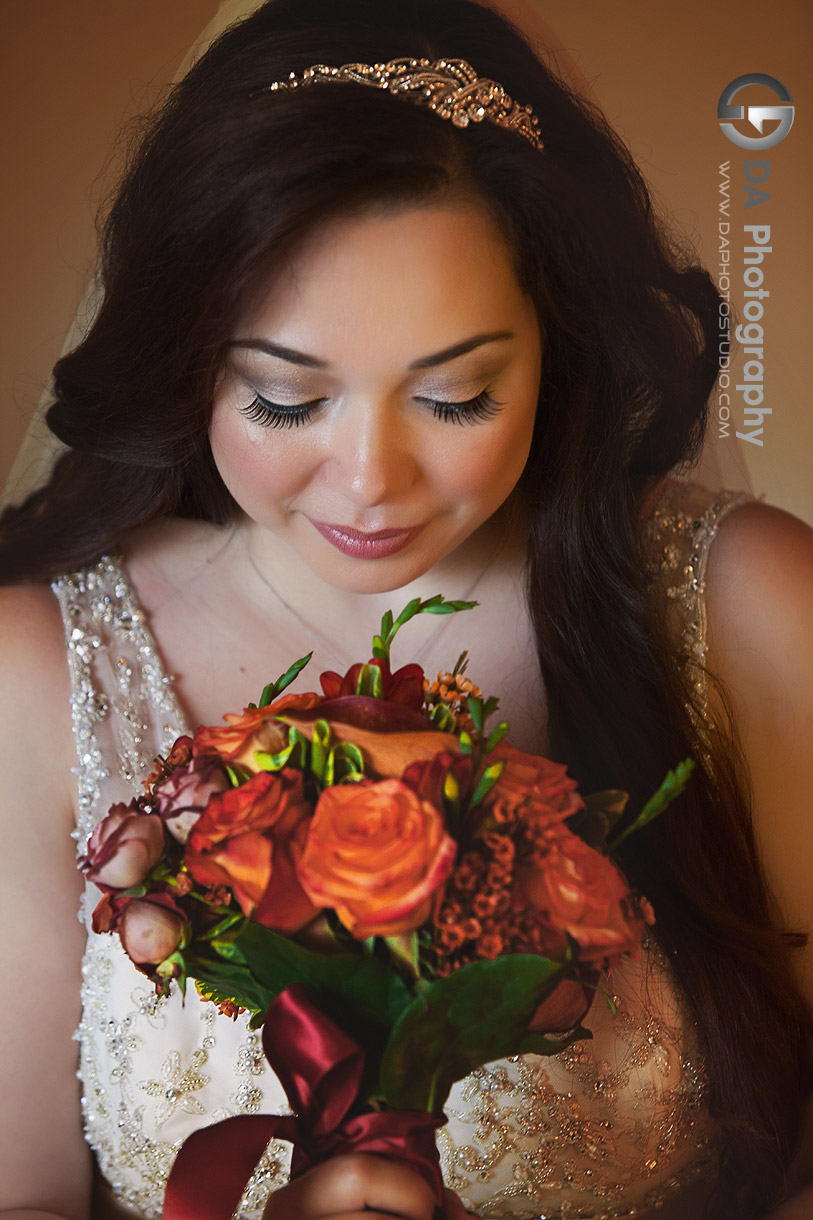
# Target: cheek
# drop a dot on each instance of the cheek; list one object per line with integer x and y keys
{"x": 486, "y": 468}
{"x": 258, "y": 467}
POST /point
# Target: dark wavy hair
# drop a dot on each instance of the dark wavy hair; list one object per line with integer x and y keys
{"x": 227, "y": 182}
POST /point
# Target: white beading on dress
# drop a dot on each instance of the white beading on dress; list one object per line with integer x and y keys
{"x": 609, "y": 1128}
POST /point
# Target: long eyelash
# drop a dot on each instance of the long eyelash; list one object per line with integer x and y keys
{"x": 474, "y": 411}
{"x": 269, "y": 415}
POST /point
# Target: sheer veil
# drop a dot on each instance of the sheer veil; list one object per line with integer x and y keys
{"x": 719, "y": 466}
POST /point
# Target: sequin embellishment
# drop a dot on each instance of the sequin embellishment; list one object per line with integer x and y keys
{"x": 612, "y": 1127}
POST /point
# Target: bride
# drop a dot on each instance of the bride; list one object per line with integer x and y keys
{"x": 354, "y": 350}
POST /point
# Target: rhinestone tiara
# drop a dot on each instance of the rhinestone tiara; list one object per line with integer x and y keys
{"x": 449, "y": 87}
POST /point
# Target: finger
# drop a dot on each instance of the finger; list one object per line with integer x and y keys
{"x": 347, "y": 1185}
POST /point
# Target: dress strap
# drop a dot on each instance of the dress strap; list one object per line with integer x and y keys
{"x": 123, "y": 706}
{"x": 679, "y": 534}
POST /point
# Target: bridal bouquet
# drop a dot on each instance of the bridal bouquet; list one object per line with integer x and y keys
{"x": 368, "y": 867}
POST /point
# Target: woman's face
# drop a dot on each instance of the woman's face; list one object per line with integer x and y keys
{"x": 377, "y": 407}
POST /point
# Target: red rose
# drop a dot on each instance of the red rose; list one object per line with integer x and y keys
{"x": 182, "y": 797}
{"x": 581, "y": 893}
{"x": 150, "y": 928}
{"x": 432, "y": 779}
{"x": 245, "y": 839}
{"x": 378, "y": 855}
{"x": 123, "y": 848}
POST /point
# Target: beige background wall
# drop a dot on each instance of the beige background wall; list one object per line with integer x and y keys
{"x": 70, "y": 73}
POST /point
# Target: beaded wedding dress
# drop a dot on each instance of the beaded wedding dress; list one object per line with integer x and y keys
{"x": 610, "y": 1128}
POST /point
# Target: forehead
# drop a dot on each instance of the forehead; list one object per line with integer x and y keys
{"x": 393, "y": 284}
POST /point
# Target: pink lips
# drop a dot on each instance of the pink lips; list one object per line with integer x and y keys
{"x": 377, "y": 544}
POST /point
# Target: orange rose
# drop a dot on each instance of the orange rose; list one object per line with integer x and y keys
{"x": 582, "y": 893}
{"x": 530, "y": 781}
{"x": 244, "y": 839}
{"x": 255, "y": 729}
{"x": 378, "y": 855}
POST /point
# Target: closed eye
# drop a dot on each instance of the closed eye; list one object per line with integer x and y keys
{"x": 274, "y": 415}
{"x": 472, "y": 411}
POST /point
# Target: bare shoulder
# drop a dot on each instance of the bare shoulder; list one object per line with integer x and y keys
{"x": 759, "y": 605}
{"x": 30, "y": 616}
{"x": 37, "y": 750}
{"x": 761, "y": 564}
{"x": 759, "y": 601}
{"x": 47, "y": 1166}
{"x": 34, "y": 672}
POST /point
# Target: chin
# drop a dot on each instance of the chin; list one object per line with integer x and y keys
{"x": 371, "y": 577}
{"x": 378, "y": 575}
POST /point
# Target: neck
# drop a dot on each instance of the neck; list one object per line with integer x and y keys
{"x": 349, "y": 618}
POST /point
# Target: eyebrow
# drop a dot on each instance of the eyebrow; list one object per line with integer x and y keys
{"x": 292, "y": 356}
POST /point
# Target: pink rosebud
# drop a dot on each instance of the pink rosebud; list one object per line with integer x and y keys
{"x": 149, "y": 932}
{"x": 182, "y": 797}
{"x": 150, "y": 928}
{"x": 123, "y": 848}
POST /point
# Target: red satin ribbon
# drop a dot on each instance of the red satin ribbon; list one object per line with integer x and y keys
{"x": 320, "y": 1067}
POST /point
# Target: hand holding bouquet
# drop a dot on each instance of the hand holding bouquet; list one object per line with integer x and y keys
{"x": 369, "y": 867}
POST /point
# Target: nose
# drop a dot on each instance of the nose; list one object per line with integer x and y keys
{"x": 372, "y": 457}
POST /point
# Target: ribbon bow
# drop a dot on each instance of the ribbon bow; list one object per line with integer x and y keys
{"x": 320, "y": 1068}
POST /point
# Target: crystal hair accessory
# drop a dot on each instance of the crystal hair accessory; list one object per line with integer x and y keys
{"x": 449, "y": 87}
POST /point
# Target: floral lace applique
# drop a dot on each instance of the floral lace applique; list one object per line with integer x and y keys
{"x": 612, "y": 1125}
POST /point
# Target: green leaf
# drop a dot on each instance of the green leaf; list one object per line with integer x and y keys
{"x": 432, "y": 605}
{"x": 273, "y": 689}
{"x": 495, "y": 737}
{"x": 475, "y": 707}
{"x": 466, "y": 743}
{"x": 672, "y": 786}
{"x": 370, "y": 682}
{"x": 442, "y": 718}
{"x": 478, "y": 1014}
{"x": 451, "y": 789}
{"x": 409, "y": 611}
{"x": 232, "y": 979}
{"x": 275, "y": 762}
{"x": 461, "y": 664}
{"x": 486, "y": 782}
{"x": 404, "y": 948}
{"x": 222, "y": 926}
{"x": 361, "y": 993}
{"x": 319, "y": 749}
{"x": 346, "y": 762}
{"x": 380, "y": 649}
